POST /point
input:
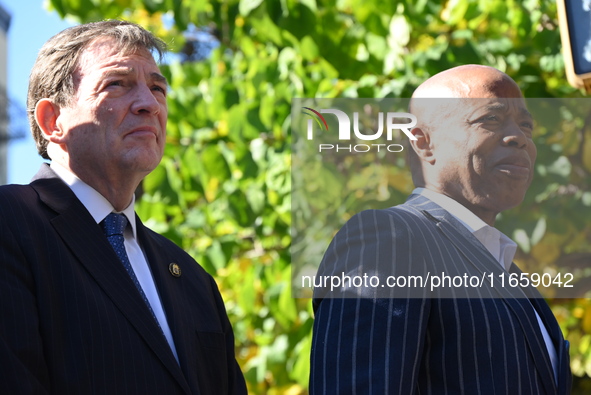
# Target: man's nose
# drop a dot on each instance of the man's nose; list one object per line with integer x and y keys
{"x": 515, "y": 136}
{"x": 145, "y": 101}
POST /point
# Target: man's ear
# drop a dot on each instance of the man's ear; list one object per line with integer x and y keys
{"x": 46, "y": 115}
{"x": 422, "y": 145}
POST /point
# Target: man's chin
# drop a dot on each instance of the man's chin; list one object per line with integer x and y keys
{"x": 508, "y": 202}
{"x": 144, "y": 161}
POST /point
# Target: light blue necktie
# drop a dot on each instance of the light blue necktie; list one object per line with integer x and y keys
{"x": 113, "y": 226}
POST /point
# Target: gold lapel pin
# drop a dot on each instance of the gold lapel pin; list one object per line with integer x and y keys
{"x": 174, "y": 269}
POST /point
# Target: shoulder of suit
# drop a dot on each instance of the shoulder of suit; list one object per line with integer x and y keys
{"x": 15, "y": 190}
{"x": 14, "y": 195}
{"x": 403, "y": 215}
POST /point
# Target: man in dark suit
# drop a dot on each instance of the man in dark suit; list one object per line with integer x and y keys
{"x": 473, "y": 157}
{"x": 92, "y": 301}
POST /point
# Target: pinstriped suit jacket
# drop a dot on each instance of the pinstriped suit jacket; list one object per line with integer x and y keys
{"x": 72, "y": 322}
{"x": 484, "y": 343}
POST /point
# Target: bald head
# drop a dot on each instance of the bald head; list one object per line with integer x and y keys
{"x": 434, "y": 101}
{"x": 468, "y": 81}
{"x": 462, "y": 82}
{"x": 471, "y": 121}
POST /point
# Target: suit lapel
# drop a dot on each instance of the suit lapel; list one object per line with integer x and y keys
{"x": 467, "y": 245}
{"x": 561, "y": 345}
{"x": 89, "y": 245}
{"x": 473, "y": 250}
{"x": 171, "y": 291}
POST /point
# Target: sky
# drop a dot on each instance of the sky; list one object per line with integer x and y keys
{"x": 30, "y": 27}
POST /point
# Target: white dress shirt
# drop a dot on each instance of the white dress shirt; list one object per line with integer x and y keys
{"x": 501, "y": 247}
{"x": 99, "y": 208}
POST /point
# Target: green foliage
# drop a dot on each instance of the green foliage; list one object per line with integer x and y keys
{"x": 223, "y": 190}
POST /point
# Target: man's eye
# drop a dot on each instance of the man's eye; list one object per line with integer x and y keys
{"x": 115, "y": 83}
{"x": 489, "y": 118}
{"x": 528, "y": 128}
{"x": 159, "y": 89}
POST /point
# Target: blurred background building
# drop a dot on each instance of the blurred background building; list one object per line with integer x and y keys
{"x": 4, "y": 102}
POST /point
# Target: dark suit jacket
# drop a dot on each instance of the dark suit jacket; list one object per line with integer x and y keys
{"x": 483, "y": 341}
{"x": 72, "y": 321}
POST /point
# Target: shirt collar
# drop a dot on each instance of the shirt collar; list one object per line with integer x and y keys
{"x": 465, "y": 216}
{"x": 501, "y": 247}
{"x": 96, "y": 204}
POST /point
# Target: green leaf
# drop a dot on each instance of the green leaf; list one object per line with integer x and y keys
{"x": 308, "y": 48}
{"x": 561, "y": 167}
{"x": 538, "y": 231}
{"x": 215, "y": 164}
{"x": 58, "y": 5}
{"x": 399, "y": 35}
{"x": 246, "y": 6}
{"x": 216, "y": 256}
{"x": 520, "y": 237}
{"x": 154, "y": 180}
{"x": 240, "y": 209}
{"x": 311, "y": 4}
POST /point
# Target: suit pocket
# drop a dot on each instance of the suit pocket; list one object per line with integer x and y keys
{"x": 212, "y": 362}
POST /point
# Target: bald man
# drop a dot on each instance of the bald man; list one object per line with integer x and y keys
{"x": 473, "y": 157}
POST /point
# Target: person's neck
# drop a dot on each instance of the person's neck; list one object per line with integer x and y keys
{"x": 486, "y": 215}
{"x": 116, "y": 188}
{"x": 120, "y": 196}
